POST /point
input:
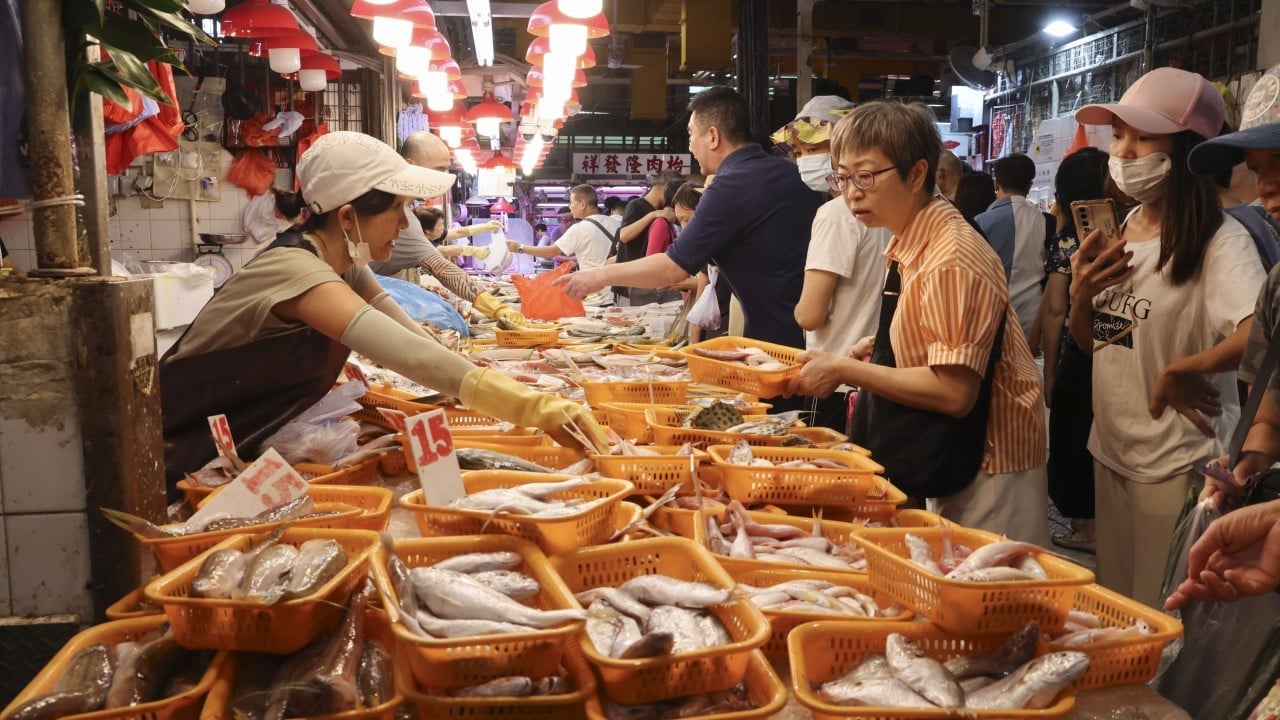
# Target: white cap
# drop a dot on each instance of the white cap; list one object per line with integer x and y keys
{"x": 341, "y": 166}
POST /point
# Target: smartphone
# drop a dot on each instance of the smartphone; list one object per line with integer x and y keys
{"x": 1214, "y": 470}
{"x": 1090, "y": 215}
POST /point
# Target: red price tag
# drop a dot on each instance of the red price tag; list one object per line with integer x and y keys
{"x": 396, "y": 417}
{"x": 222, "y": 439}
{"x": 432, "y": 448}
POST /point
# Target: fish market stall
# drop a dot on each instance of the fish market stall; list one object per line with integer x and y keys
{"x": 716, "y": 560}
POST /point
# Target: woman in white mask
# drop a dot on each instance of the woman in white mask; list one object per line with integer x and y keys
{"x": 275, "y": 337}
{"x": 1165, "y": 311}
{"x": 840, "y": 302}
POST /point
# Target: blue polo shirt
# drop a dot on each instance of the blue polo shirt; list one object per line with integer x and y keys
{"x": 753, "y": 222}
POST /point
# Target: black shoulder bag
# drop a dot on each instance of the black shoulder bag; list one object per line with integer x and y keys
{"x": 613, "y": 237}
{"x": 924, "y": 453}
{"x": 1265, "y": 486}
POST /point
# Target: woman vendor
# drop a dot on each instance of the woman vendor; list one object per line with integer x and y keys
{"x": 950, "y": 400}
{"x": 275, "y": 337}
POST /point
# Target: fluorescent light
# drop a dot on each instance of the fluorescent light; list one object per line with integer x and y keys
{"x": 481, "y": 30}
{"x": 1059, "y": 28}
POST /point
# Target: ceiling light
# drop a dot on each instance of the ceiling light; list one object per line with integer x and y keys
{"x": 488, "y": 115}
{"x": 312, "y": 79}
{"x": 452, "y": 135}
{"x": 569, "y": 38}
{"x": 392, "y": 32}
{"x": 558, "y": 68}
{"x": 580, "y": 8}
{"x": 1059, "y": 28}
{"x": 257, "y": 18}
{"x": 206, "y": 7}
{"x": 481, "y": 30}
{"x": 284, "y": 60}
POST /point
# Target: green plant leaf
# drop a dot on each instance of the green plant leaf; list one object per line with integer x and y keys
{"x": 97, "y": 80}
{"x": 157, "y": 20}
{"x": 132, "y": 72}
{"x": 85, "y": 13}
{"x": 155, "y": 6}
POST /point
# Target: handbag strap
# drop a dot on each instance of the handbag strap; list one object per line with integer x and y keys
{"x": 1256, "y": 393}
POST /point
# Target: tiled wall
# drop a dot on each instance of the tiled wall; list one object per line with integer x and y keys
{"x": 162, "y": 233}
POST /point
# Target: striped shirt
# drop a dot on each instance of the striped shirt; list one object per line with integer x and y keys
{"x": 953, "y": 289}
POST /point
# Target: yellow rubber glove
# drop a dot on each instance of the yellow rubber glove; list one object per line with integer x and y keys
{"x": 490, "y": 226}
{"x": 495, "y": 394}
{"x": 478, "y": 252}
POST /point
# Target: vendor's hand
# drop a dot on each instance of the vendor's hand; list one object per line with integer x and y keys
{"x": 861, "y": 350}
{"x": 1095, "y": 268}
{"x": 1237, "y": 557}
{"x": 821, "y": 374}
{"x": 489, "y": 226}
{"x": 1190, "y": 394}
{"x": 511, "y": 315}
{"x": 514, "y": 245}
{"x": 478, "y": 252}
{"x": 582, "y": 283}
{"x": 1226, "y": 495}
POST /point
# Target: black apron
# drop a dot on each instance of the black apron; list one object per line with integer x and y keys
{"x": 259, "y": 386}
{"x": 924, "y": 453}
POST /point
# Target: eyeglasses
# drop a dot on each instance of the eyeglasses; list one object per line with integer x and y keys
{"x": 863, "y": 179}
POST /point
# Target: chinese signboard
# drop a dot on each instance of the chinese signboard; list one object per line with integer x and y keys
{"x": 621, "y": 164}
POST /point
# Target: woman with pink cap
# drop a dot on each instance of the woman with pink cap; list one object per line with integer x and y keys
{"x": 1165, "y": 310}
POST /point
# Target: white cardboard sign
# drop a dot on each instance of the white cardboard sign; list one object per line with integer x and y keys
{"x": 268, "y": 482}
{"x": 223, "y": 441}
{"x": 432, "y": 448}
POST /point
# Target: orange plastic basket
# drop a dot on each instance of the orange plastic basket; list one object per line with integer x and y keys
{"x": 218, "y": 706}
{"x": 824, "y": 651}
{"x": 385, "y": 396}
{"x": 703, "y": 390}
{"x": 782, "y": 622}
{"x": 358, "y": 508}
{"x": 364, "y": 472}
{"x": 528, "y": 338}
{"x": 651, "y": 679}
{"x": 836, "y": 532}
{"x": 664, "y": 422}
{"x": 551, "y": 457}
{"x": 763, "y": 383}
{"x": 652, "y": 474}
{"x": 443, "y": 664}
{"x": 133, "y": 605}
{"x": 629, "y": 421}
{"x": 1126, "y": 661}
{"x": 764, "y": 690}
{"x": 653, "y": 392}
{"x": 856, "y": 485}
{"x": 183, "y": 706}
{"x": 554, "y": 535}
{"x": 568, "y": 706}
{"x": 970, "y": 607}
{"x": 283, "y": 628}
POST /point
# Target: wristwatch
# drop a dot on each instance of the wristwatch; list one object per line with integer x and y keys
{"x": 519, "y": 249}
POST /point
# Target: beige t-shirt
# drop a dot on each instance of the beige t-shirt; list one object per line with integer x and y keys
{"x": 240, "y": 312}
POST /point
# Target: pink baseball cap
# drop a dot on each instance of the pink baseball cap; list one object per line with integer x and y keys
{"x": 1164, "y": 101}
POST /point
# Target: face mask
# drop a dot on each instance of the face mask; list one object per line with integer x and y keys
{"x": 1143, "y": 179}
{"x": 358, "y": 252}
{"x": 814, "y": 170}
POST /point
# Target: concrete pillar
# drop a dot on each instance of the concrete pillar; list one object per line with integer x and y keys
{"x": 753, "y": 63}
{"x": 804, "y": 52}
{"x": 1269, "y": 35}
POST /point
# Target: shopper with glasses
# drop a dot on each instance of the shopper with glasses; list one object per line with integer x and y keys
{"x": 945, "y": 304}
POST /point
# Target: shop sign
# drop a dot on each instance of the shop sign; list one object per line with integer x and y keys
{"x": 621, "y": 164}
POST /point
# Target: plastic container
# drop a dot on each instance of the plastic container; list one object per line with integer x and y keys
{"x": 385, "y": 396}
{"x": 628, "y": 418}
{"x": 564, "y": 533}
{"x": 651, "y": 679}
{"x": 376, "y": 625}
{"x": 569, "y": 706}
{"x": 737, "y": 376}
{"x": 652, "y": 392}
{"x": 133, "y": 605}
{"x": 823, "y": 651}
{"x": 836, "y": 532}
{"x": 858, "y": 484}
{"x": 764, "y": 689}
{"x": 364, "y": 472}
{"x": 1124, "y": 661}
{"x": 283, "y": 628}
{"x": 652, "y": 474}
{"x": 665, "y": 425}
{"x": 183, "y": 706}
{"x": 444, "y": 664}
{"x": 970, "y": 607}
{"x": 528, "y": 338}
{"x": 782, "y": 622}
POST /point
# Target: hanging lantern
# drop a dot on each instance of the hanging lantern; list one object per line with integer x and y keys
{"x": 580, "y": 9}
{"x": 535, "y": 78}
{"x": 540, "y": 46}
{"x": 206, "y": 7}
{"x": 566, "y": 33}
{"x": 317, "y": 71}
{"x": 394, "y": 25}
{"x": 257, "y": 18}
{"x": 488, "y": 115}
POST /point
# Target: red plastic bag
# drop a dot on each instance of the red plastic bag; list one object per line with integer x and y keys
{"x": 540, "y": 299}
{"x": 253, "y": 170}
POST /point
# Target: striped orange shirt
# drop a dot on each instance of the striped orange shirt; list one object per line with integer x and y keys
{"x": 953, "y": 289}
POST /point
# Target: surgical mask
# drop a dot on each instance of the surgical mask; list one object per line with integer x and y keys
{"x": 1143, "y": 179}
{"x": 814, "y": 170}
{"x": 359, "y": 253}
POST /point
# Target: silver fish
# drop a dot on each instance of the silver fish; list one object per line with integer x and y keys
{"x": 515, "y": 585}
{"x": 1034, "y": 685}
{"x": 1016, "y": 651}
{"x": 652, "y": 644}
{"x": 481, "y": 562}
{"x": 499, "y": 498}
{"x": 921, "y": 553}
{"x": 616, "y": 599}
{"x": 219, "y": 574}
{"x": 456, "y": 596}
{"x": 713, "y": 630}
{"x": 922, "y": 673}
{"x": 544, "y": 491}
{"x": 991, "y": 574}
{"x": 512, "y": 686}
{"x": 82, "y": 688}
{"x": 602, "y": 626}
{"x": 665, "y": 590}
{"x": 874, "y": 691}
{"x": 264, "y": 578}
{"x": 482, "y": 459}
{"x": 741, "y": 453}
{"x": 319, "y": 561}
{"x": 432, "y": 626}
{"x": 994, "y": 554}
{"x": 683, "y": 626}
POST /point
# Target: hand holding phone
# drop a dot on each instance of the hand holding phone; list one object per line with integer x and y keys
{"x": 1090, "y": 215}
{"x": 1215, "y": 470}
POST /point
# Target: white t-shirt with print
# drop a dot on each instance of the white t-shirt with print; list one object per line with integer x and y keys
{"x": 841, "y": 245}
{"x": 1172, "y": 322}
{"x": 587, "y": 244}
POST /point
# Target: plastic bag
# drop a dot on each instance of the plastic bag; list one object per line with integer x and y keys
{"x": 253, "y": 170}
{"x": 705, "y": 312}
{"x": 261, "y": 220}
{"x": 342, "y": 400}
{"x": 424, "y": 305}
{"x": 323, "y": 444}
{"x": 1225, "y": 659}
{"x": 540, "y": 299}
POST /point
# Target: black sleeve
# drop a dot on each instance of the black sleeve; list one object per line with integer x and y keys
{"x": 4, "y": 251}
{"x": 635, "y": 210}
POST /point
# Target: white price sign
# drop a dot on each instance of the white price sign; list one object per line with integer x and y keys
{"x": 268, "y": 482}
{"x": 222, "y": 439}
{"x": 432, "y": 448}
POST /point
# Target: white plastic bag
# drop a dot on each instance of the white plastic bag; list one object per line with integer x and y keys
{"x": 705, "y": 312}
{"x": 321, "y": 434}
{"x": 499, "y": 258}
{"x": 260, "y": 219}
